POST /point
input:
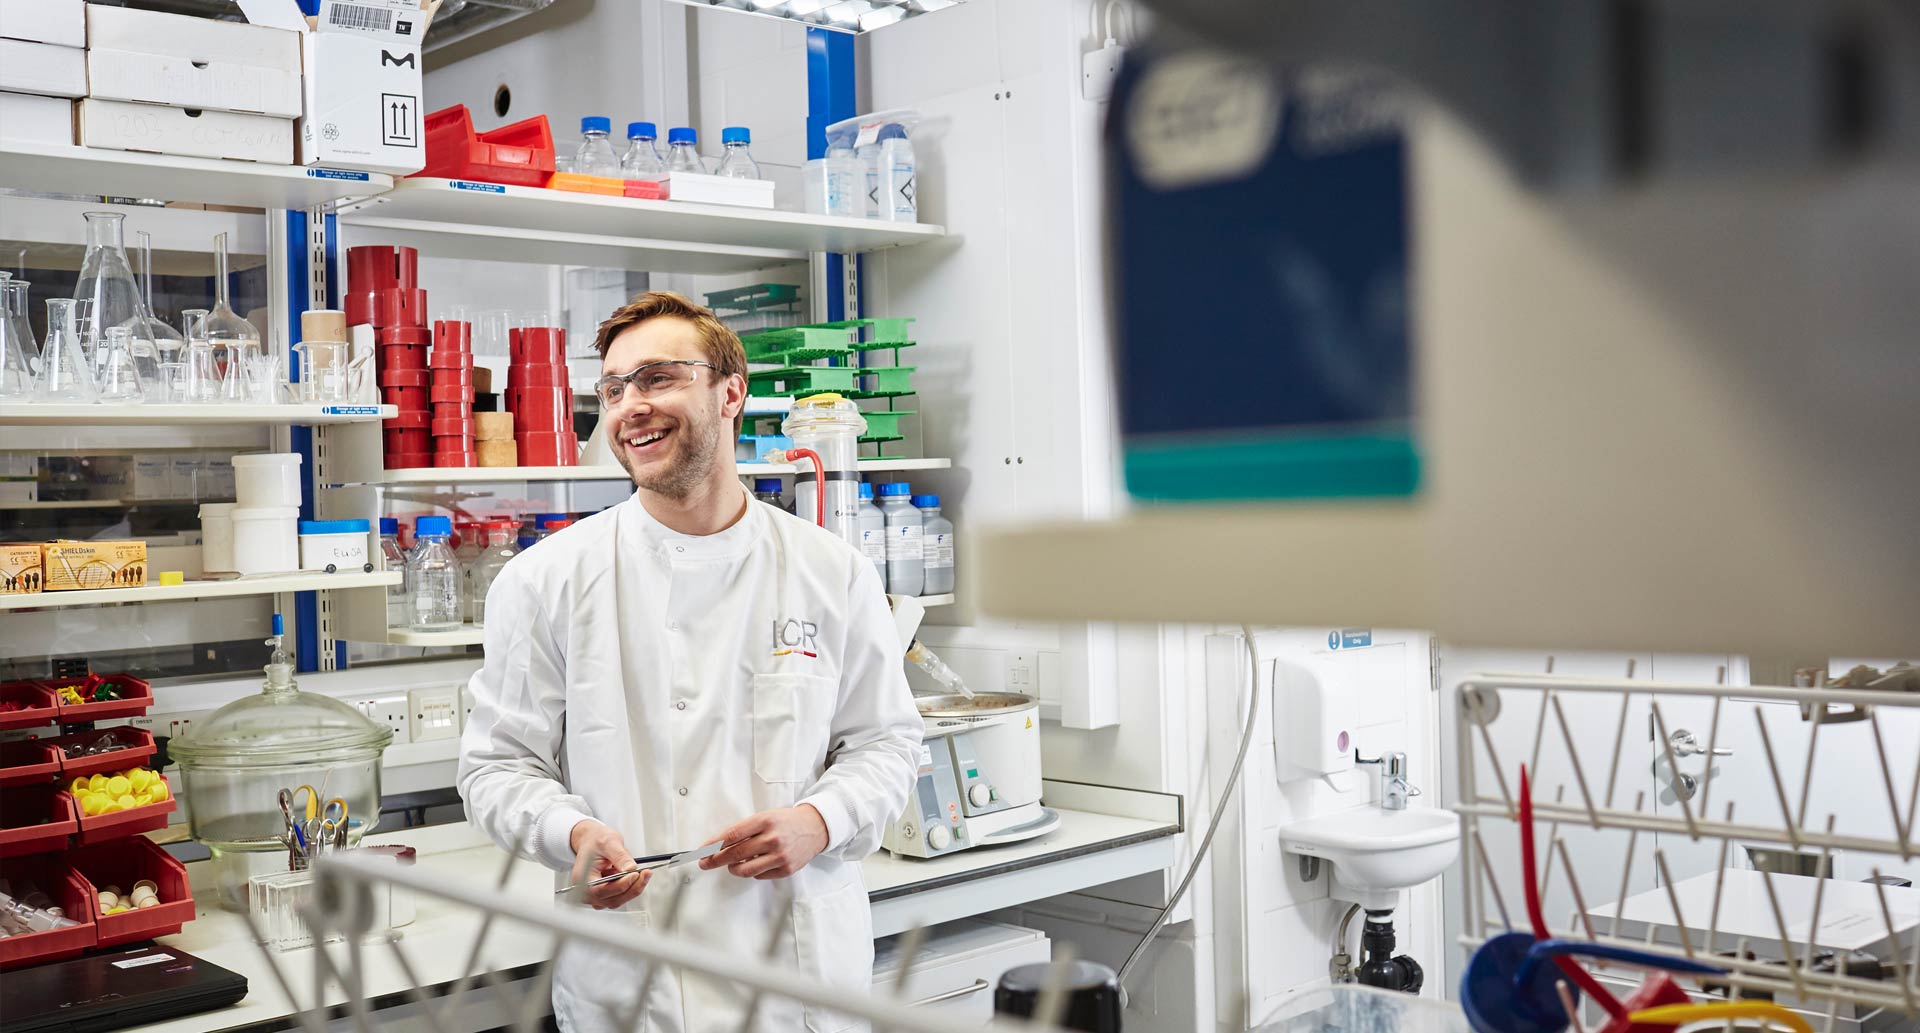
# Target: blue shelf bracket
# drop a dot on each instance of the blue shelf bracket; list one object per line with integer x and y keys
{"x": 831, "y": 97}
{"x": 311, "y": 266}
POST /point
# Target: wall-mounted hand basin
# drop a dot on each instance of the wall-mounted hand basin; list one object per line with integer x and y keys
{"x": 1377, "y": 853}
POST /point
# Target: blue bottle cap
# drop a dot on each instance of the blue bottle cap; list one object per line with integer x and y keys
{"x": 896, "y": 489}
{"x": 426, "y": 525}
{"x": 543, "y": 519}
{"x": 766, "y": 484}
{"x": 389, "y": 525}
{"x": 926, "y": 501}
{"x": 892, "y": 131}
{"x": 682, "y": 135}
{"x": 596, "y": 123}
{"x": 735, "y": 134}
{"x": 333, "y": 527}
{"x": 866, "y": 490}
{"x": 641, "y": 131}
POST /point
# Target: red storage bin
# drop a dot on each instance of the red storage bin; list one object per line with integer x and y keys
{"x": 100, "y": 828}
{"x": 379, "y": 266}
{"x": 453, "y": 334}
{"x": 37, "y": 705}
{"x": 409, "y": 399}
{"x": 456, "y": 361}
{"x": 454, "y": 427}
{"x": 418, "y": 419}
{"x": 406, "y": 441}
{"x": 28, "y": 762}
{"x": 458, "y": 392}
{"x": 36, "y": 820}
{"x": 403, "y": 357}
{"x": 547, "y": 449}
{"x": 137, "y": 697}
{"x": 136, "y": 745}
{"x": 405, "y": 378}
{"x": 463, "y": 413}
{"x": 415, "y": 335}
{"x": 544, "y": 345}
{"x": 68, "y": 890}
{"x": 538, "y": 375}
{"x": 409, "y": 460}
{"x": 391, "y": 307}
{"x": 520, "y": 154}
{"x": 455, "y": 459}
{"x": 123, "y": 865}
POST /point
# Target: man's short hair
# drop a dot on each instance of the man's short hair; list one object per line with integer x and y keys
{"x": 720, "y": 345}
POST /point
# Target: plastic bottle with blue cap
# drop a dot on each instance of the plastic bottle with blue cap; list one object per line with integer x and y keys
{"x": 767, "y": 490}
{"x": 936, "y": 545}
{"x": 683, "y": 153}
{"x": 433, "y": 577}
{"x": 906, "y": 564}
{"x": 642, "y": 160}
{"x": 738, "y": 162}
{"x": 595, "y": 156}
{"x": 872, "y": 525}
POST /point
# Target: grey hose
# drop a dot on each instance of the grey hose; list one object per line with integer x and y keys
{"x": 1219, "y": 809}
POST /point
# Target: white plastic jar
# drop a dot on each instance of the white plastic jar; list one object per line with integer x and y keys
{"x": 266, "y": 539}
{"x": 216, "y": 537}
{"x": 335, "y": 545}
{"x": 266, "y": 479}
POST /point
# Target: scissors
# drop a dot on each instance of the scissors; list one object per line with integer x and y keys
{"x": 325, "y": 824}
{"x": 656, "y": 863}
{"x": 296, "y": 838}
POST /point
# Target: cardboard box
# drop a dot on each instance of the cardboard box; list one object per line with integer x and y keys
{"x": 122, "y": 126}
{"x": 42, "y": 68}
{"x": 173, "y": 59}
{"x": 361, "y": 80}
{"x": 76, "y": 566}
{"x": 25, "y": 118}
{"x": 24, "y": 489}
{"x": 60, "y": 22}
{"x": 20, "y": 571}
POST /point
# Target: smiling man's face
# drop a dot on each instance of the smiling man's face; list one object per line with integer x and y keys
{"x": 669, "y": 442}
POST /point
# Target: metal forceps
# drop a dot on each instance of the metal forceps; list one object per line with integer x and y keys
{"x": 326, "y": 826}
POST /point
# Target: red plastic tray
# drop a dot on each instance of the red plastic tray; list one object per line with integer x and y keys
{"x": 119, "y": 760}
{"x": 99, "y": 828}
{"x": 36, "y": 820}
{"x": 59, "y": 881}
{"x": 28, "y": 761}
{"x": 520, "y": 154}
{"x": 124, "y": 864}
{"x": 649, "y": 189}
{"x": 41, "y": 707}
{"x": 139, "y": 696}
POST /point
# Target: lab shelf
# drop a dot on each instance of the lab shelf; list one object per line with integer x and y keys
{"x": 265, "y": 584}
{"x": 66, "y": 169}
{"x": 467, "y": 636}
{"x": 456, "y": 219}
{"x": 34, "y": 414}
{"x": 510, "y": 474}
{"x": 931, "y": 601}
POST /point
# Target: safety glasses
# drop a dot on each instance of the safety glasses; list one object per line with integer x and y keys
{"x": 649, "y": 381}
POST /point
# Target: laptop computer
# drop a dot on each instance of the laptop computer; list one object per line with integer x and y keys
{"x": 129, "y": 986}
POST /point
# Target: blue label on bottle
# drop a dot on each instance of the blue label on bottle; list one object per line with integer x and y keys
{"x": 350, "y": 410}
{"x": 485, "y": 188}
{"x": 346, "y": 174}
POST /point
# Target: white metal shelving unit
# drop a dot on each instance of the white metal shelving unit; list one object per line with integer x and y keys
{"x": 519, "y": 474}
{"x": 265, "y": 584}
{"x": 35, "y": 414}
{"x": 487, "y": 221}
{"x": 66, "y": 169}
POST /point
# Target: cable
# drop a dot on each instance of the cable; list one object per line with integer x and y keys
{"x": 1219, "y": 809}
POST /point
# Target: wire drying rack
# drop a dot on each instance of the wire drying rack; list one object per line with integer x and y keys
{"x": 1595, "y": 803}
{"x": 344, "y": 906}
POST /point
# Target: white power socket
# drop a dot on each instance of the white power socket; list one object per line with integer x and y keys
{"x": 393, "y": 711}
{"x": 436, "y": 713}
{"x": 1021, "y": 672}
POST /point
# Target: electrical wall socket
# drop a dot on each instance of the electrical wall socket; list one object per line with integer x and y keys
{"x": 1020, "y": 672}
{"x": 393, "y": 711}
{"x": 436, "y": 713}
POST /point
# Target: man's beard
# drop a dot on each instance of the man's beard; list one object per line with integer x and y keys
{"x": 696, "y": 443}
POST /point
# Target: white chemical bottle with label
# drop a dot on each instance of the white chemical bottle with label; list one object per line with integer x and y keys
{"x": 936, "y": 545}
{"x": 906, "y": 566}
{"x": 896, "y": 189}
{"x": 873, "y": 532}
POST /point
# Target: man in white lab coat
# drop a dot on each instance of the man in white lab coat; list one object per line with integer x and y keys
{"x": 685, "y": 667}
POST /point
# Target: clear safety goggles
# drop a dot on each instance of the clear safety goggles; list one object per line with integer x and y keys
{"x": 649, "y": 381}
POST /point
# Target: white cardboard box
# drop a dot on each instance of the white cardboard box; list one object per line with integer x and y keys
{"x": 188, "y": 83}
{"x": 60, "y": 22}
{"x": 198, "y": 39}
{"x": 361, "y": 80}
{"x": 42, "y": 68}
{"x": 25, "y": 118}
{"x": 122, "y": 126}
{"x": 707, "y": 189}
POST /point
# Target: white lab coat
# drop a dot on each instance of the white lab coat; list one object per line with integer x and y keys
{"x": 671, "y": 685}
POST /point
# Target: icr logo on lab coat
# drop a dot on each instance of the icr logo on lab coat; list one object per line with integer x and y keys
{"x": 796, "y": 635}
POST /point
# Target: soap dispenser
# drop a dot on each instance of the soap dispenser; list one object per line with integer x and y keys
{"x": 1313, "y": 720}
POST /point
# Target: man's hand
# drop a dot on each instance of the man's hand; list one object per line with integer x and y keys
{"x": 599, "y": 851}
{"x": 771, "y": 844}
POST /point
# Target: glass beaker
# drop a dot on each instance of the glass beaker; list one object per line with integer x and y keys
{"x": 106, "y": 283}
{"x": 119, "y": 374}
{"x": 323, "y": 371}
{"x": 490, "y": 332}
{"x": 166, "y": 341}
{"x": 64, "y": 373}
{"x": 201, "y": 379}
{"x": 173, "y": 383}
{"x": 235, "y": 341}
{"x": 17, "y": 357}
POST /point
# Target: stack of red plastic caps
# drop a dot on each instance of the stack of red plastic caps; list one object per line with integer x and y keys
{"x": 452, "y": 363}
{"x": 383, "y": 289}
{"x": 540, "y": 397}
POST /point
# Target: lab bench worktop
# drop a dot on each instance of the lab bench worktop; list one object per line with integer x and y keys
{"x": 1089, "y": 848}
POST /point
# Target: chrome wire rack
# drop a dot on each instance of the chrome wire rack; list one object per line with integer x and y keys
{"x": 1584, "y": 797}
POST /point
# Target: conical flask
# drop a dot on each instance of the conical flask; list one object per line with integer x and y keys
{"x": 235, "y": 341}
{"x": 64, "y": 374}
{"x": 166, "y": 341}
{"x": 106, "y": 280}
{"x": 17, "y": 357}
{"x": 17, "y": 294}
{"x": 120, "y": 381}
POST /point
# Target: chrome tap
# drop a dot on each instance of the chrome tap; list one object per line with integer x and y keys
{"x": 1395, "y": 790}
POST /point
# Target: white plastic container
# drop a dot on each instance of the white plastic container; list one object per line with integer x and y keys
{"x": 216, "y": 537}
{"x": 335, "y": 545}
{"x": 267, "y": 479}
{"x": 266, "y": 539}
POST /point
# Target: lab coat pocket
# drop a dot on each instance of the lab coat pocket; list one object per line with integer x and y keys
{"x": 594, "y": 989}
{"x": 792, "y": 718}
{"x": 833, "y": 939}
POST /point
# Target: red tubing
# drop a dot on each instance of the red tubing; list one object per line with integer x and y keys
{"x": 1573, "y": 969}
{"x": 819, "y": 482}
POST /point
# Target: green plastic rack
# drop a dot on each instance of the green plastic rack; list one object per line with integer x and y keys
{"x": 885, "y": 426}
{"x": 885, "y": 382}
{"x": 793, "y": 381}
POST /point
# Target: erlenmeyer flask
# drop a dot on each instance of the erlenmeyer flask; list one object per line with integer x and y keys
{"x": 64, "y": 374}
{"x": 119, "y": 375}
{"x": 17, "y": 357}
{"x": 201, "y": 380}
{"x": 106, "y": 280}
{"x": 235, "y": 341}
{"x": 166, "y": 341}
{"x": 17, "y": 293}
